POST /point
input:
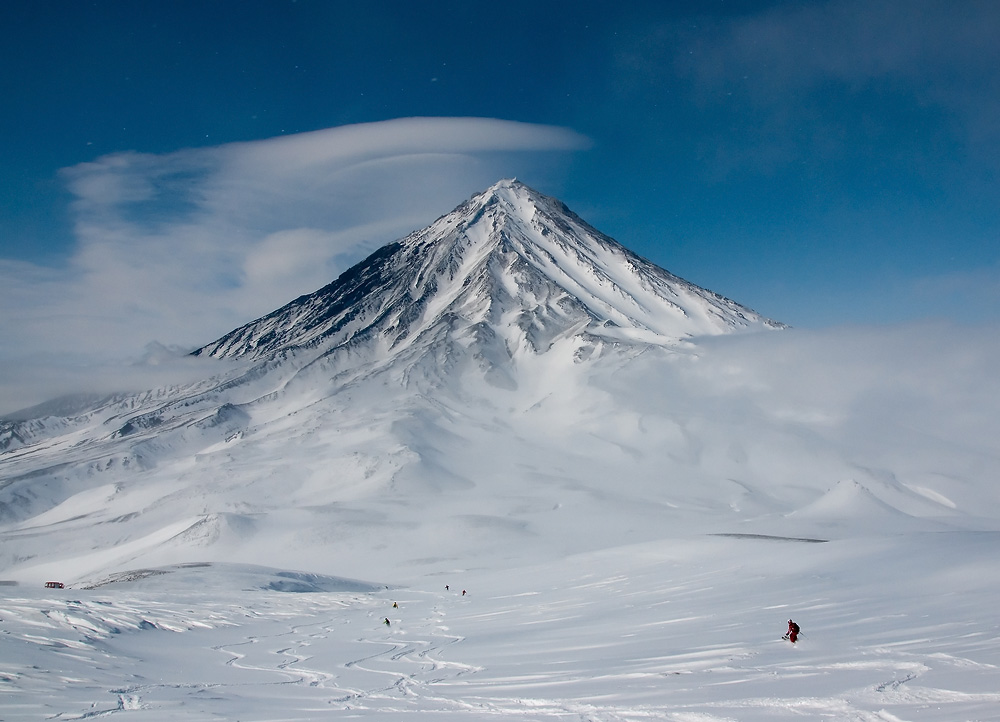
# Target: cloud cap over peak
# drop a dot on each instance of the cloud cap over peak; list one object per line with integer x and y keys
{"x": 184, "y": 246}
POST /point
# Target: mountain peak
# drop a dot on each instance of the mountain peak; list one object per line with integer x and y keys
{"x": 507, "y": 184}
{"x": 511, "y": 265}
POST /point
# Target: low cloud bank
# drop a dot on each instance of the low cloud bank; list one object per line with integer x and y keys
{"x": 912, "y": 405}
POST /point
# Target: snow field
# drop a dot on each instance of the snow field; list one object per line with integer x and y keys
{"x": 895, "y": 628}
{"x": 692, "y": 632}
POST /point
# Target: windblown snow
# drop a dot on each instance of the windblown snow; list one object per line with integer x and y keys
{"x": 575, "y": 485}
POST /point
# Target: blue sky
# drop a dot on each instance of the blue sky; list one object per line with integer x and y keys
{"x": 170, "y": 170}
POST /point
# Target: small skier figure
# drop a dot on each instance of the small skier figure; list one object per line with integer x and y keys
{"x": 793, "y": 632}
{"x": 463, "y": 592}
{"x": 386, "y": 622}
{"x": 395, "y": 606}
{"x": 446, "y": 587}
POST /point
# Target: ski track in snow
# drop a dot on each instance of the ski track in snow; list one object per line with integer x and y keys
{"x": 580, "y": 641}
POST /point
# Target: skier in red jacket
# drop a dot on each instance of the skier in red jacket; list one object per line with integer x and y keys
{"x": 793, "y": 632}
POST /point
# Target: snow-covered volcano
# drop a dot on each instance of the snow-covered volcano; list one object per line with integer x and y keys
{"x": 376, "y": 387}
{"x": 636, "y": 498}
{"x": 466, "y": 386}
{"x": 510, "y": 268}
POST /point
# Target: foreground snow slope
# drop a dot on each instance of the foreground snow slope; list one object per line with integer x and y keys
{"x": 898, "y": 628}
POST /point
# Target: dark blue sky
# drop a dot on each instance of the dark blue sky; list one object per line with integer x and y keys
{"x": 822, "y": 162}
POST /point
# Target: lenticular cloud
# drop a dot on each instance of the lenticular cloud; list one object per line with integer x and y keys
{"x": 181, "y": 247}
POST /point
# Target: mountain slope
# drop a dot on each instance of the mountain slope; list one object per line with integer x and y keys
{"x": 506, "y": 374}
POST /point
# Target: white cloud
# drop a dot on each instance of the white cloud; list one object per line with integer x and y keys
{"x": 908, "y": 399}
{"x": 181, "y": 248}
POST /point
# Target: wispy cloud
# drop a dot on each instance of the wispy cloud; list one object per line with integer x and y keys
{"x": 182, "y": 247}
{"x": 970, "y": 294}
{"x": 808, "y": 80}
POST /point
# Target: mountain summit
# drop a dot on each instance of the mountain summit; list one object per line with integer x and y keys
{"x": 510, "y": 268}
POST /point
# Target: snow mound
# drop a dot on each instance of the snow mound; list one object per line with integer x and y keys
{"x": 849, "y": 500}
